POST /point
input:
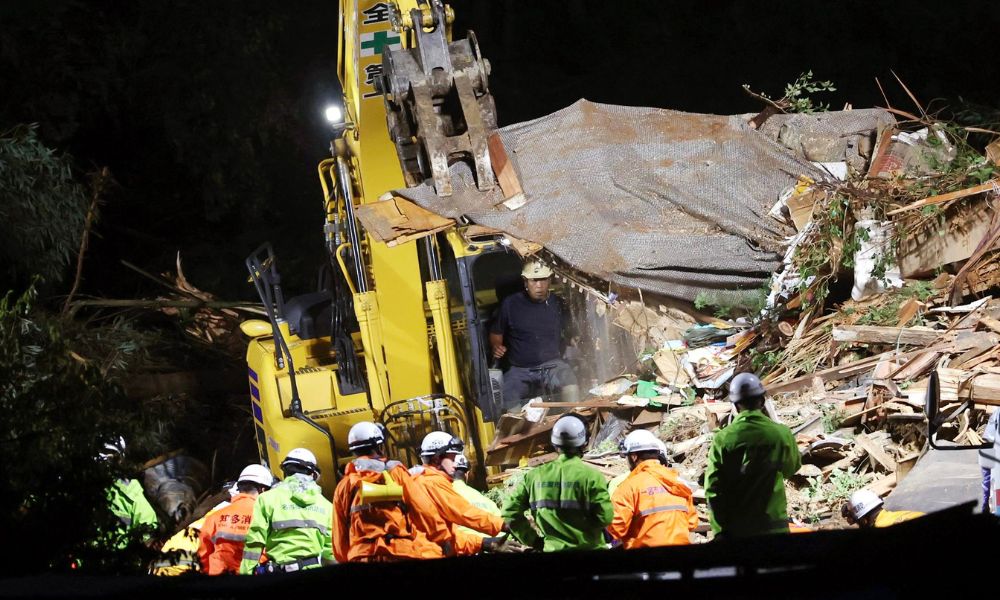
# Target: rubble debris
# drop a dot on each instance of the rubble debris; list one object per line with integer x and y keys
{"x": 902, "y": 209}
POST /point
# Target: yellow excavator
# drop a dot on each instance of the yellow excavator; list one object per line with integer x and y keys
{"x": 396, "y": 332}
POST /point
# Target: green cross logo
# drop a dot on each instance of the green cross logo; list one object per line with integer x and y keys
{"x": 373, "y": 43}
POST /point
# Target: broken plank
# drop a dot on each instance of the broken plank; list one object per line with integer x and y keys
{"x": 542, "y": 459}
{"x": 882, "y": 486}
{"x": 916, "y": 366}
{"x": 940, "y": 199}
{"x": 510, "y": 185}
{"x": 870, "y": 334}
{"x": 991, "y": 323}
{"x": 876, "y": 452}
{"x": 580, "y": 404}
{"x": 844, "y": 371}
{"x": 957, "y": 385}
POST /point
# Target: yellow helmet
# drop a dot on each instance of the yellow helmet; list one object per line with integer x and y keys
{"x": 536, "y": 269}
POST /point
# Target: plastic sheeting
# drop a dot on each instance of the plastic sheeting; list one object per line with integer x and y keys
{"x": 668, "y": 202}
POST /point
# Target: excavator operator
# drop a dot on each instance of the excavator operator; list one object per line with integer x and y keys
{"x": 528, "y": 331}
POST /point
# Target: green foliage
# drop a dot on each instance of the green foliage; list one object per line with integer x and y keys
{"x": 499, "y": 493}
{"x": 888, "y": 312}
{"x": 843, "y": 484}
{"x": 762, "y": 362}
{"x": 839, "y": 487}
{"x": 42, "y": 208}
{"x": 832, "y": 419}
{"x": 796, "y": 93}
{"x": 797, "y": 98}
{"x": 59, "y": 411}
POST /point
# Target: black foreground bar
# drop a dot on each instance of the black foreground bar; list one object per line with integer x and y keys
{"x": 948, "y": 551}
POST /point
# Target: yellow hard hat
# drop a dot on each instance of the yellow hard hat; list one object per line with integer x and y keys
{"x": 536, "y": 269}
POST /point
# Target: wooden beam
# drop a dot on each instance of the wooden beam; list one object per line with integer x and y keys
{"x": 941, "y": 199}
{"x": 876, "y": 452}
{"x": 844, "y": 371}
{"x": 869, "y": 334}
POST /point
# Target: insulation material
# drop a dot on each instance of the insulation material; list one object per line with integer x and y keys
{"x": 667, "y": 202}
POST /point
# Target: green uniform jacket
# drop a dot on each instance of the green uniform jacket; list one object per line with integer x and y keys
{"x": 569, "y": 502}
{"x": 128, "y": 502}
{"x": 744, "y": 480}
{"x": 291, "y": 522}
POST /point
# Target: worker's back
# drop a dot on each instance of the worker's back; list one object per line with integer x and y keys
{"x": 290, "y": 522}
{"x": 744, "y": 479}
{"x": 390, "y": 529}
{"x": 570, "y": 504}
{"x": 653, "y": 508}
{"x": 223, "y": 534}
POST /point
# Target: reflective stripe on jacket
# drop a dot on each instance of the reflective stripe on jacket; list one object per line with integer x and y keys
{"x": 653, "y": 508}
{"x": 744, "y": 479}
{"x": 128, "y": 503}
{"x": 384, "y": 530}
{"x": 887, "y": 518}
{"x": 221, "y": 539}
{"x": 456, "y": 510}
{"x": 290, "y": 522}
{"x": 569, "y": 502}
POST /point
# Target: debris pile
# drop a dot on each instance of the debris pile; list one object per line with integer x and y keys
{"x": 886, "y": 279}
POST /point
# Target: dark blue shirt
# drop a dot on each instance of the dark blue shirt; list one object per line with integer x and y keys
{"x": 531, "y": 330}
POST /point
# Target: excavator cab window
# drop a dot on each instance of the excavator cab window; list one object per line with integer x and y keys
{"x": 477, "y": 282}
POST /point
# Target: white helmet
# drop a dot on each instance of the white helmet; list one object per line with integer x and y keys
{"x": 641, "y": 440}
{"x": 258, "y": 474}
{"x": 440, "y": 442}
{"x": 863, "y": 502}
{"x": 302, "y": 457}
{"x": 461, "y": 462}
{"x": 365, "y": 434}
{"x": 569, "y": 431}
{"x": 743, "y": 386}
{"x": 536, "y": 269}
{"x": 662, "y": 447}
{"x": 112, "y": 449}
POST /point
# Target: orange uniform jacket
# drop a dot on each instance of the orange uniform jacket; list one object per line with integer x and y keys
{"x": 221, "y": 539}
{"x": 652, "y": 508}
{"x": 383, "y": 530}
{"x": 457, "y": 511}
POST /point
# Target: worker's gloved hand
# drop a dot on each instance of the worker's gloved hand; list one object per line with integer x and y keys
{"x": 506, "y": 544}
{"x": 493, "y": 544}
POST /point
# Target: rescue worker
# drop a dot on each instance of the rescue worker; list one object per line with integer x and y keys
{"x": 127, "y": 502}
{"x": 528, "y": 332}
{"x": 747, "y": 464}
{"x": 290, "y": 522}
{"x": 568, "y": 500}
{"x": 865, "y": 510}
{"x": 653, "y": 507}
{"x": 222, "y": 535}
{"x": 438, "y": 451}
{"x": 380, "y": 514}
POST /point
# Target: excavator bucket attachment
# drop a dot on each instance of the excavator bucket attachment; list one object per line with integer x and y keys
{"x": 438, "y": 105}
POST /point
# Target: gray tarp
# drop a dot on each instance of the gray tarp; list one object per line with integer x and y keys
{"x": 668, "y": 202}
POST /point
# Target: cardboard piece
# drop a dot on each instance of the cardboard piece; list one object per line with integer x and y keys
{"x": 395, "y": 220}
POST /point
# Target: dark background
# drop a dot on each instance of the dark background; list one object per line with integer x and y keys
{"x": 209, "y": 114}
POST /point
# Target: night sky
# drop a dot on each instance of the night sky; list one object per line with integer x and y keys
{"x": 209, "y": 114}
